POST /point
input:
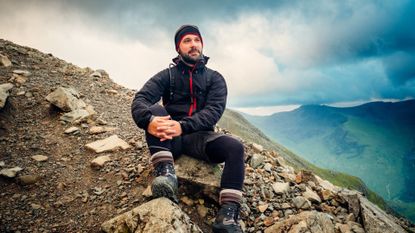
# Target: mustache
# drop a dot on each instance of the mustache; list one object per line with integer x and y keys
{"x": 194, "y": 50}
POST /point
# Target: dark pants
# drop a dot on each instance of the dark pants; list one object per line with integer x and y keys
{"x": 205, "y": 145}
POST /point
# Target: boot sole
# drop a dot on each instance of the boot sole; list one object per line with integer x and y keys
{"x": 161, "y": 188}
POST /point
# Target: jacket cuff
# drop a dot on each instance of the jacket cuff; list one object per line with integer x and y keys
{"x": 183, "y": 125}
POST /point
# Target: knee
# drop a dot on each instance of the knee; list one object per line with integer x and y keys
{"x": 235, "y": 149}
{"x": 158, "y": 110}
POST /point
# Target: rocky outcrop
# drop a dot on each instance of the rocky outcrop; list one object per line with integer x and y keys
{"x": 199, "y": 173}
{"x": 376, "y": 220}
{"x": 157, "y": 216}
{"x": 5, "y": 61}
{"x": 67, "y": 99}
{"x": 4, "y": 93}
{"x": 307, "y": 221}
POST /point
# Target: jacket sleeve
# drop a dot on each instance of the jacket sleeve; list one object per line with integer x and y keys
{"x": 207, "y": 117}
{"x": 149, "y": 94}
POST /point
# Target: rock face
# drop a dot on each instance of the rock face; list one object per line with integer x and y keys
{"x": 376, "y": 220}
{"x": 199, "y": 173}
{"x": 109, "y": 144}
{"x": 66, "y": 99}
{"x": 4, "y": 61}
{"x": 4, "y": 93}
{"x": 157, "y": 216}
{"x": 307, "y": 221}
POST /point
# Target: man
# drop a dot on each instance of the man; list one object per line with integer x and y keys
{"x": 194, "y": 98}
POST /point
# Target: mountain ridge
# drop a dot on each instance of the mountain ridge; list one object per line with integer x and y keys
{"x": 379, "y": 134}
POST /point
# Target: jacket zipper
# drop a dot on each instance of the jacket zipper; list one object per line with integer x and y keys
{"x": 192, "y": 97}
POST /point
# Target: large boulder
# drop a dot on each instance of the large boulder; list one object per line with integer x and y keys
{"x": 4, "y": 93}
{"x": 200, "y": 173}
{"x": 376, "y": 220}
{"x": 67, "y": 99}
{"x": 157, "y": 216}
{"x": 307, "y": 221}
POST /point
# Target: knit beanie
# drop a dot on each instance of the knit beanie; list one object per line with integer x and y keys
{"x": 183, "y": 31}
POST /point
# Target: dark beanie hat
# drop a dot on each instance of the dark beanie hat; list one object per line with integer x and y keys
{"x": 183, "y": 31}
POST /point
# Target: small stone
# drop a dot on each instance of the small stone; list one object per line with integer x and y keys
{"x": 4, "y": 61}
{"x": 2, "y": 164}
{"x": 28, "y": 179}
{"x": 258, "y": 148}
{"x": 72, "y": 129}
{"x": 186, "y": 200}
{"x": 280, "y": 188}
{"x": 147, "y": 192}
{"x": 35, "y": 206}
{"x": 100, "y": 121}
{"x": 257, "y": 160}
{"x": 311, "y": 196}
{"x": 20, "y": 93}
{"x": 268, "y": 167}
{"x": 114, "y": 92}
{"x": 326, "y": 194}
{"x": 301, "y": 203}
{"x": 22, "y": 72}
{"x": 61, "y": 186}
{"x": 109, "y": 144}
{"x": 202, "y": 211}
{"x": 140, "y": 168}
{"x": 40, "y": 158}
{"x": 10, "y": 172}
{"x": 96, "y": 74}
{"x": 19, "y": 79}
{"x": 100, "y": 161}
{"x": 100, "y": 129}
{"x": 268, "y": 221}
{"x": 262, "y": 208}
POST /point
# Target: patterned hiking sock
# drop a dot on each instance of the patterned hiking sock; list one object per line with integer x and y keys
{"x": 230, "y": 195}
{"x": 161, "y": 156}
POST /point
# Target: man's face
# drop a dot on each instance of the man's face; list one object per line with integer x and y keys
{"x": 191, "y": 47}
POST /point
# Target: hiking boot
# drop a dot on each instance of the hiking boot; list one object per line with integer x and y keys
{"x": 165, "y": 184}
{"x": 227, "y": 219}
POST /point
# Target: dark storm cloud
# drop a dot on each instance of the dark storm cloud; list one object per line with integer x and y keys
{"x": 270, "y": 52}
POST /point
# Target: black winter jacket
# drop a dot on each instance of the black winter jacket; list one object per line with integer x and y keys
{"x": 197, "y": 107}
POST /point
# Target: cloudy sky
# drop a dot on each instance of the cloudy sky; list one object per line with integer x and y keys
{"x": 273, "y": 54}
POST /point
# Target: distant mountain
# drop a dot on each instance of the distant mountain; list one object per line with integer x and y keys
{"x": 374, "y": 141}
{"x": 238, "y": 125}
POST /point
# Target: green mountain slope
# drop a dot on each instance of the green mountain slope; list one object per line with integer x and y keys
{"x": 374, "y": 141}
{"x": 238, "y": 125}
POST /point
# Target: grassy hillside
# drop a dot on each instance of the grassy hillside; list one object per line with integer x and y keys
{"x": 374, "y": 141}
{"x": 238, "y": 125}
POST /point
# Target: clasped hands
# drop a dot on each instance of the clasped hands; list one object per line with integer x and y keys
{"x": 164, "y": 128}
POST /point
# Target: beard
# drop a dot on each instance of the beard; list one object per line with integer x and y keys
{"x": 189, "y": 59}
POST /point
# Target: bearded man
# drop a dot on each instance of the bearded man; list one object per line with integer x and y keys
{"x": 193, "y": 100}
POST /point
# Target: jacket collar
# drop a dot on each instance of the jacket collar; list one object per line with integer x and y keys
{"x": 199, "y": 65}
